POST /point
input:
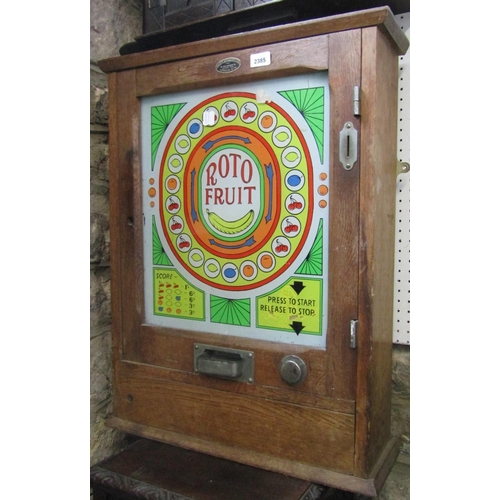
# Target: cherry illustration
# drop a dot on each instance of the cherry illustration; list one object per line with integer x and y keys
{"x": 184, "y": 244}
{"x": 229, "y": 111}
{"x": 291, "y": 228}
{"x": 294, "y": 205}
{"x": 173, "y": 205}
{"x": 248, "y": 113}
{"x": 176, "y": 225}
{"x": 281, "y": 248}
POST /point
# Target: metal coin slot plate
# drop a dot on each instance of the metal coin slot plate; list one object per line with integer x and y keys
{"x": 223, "y": 362}
{"x": 348, "y": 146}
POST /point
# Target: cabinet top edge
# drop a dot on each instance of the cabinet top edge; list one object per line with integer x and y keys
{"x": 381, "y": 17}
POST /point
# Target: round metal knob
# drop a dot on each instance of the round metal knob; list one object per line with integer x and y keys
{"x": 293, "y": 370}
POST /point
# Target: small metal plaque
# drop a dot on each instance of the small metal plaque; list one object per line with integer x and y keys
{"x": 228, "y": 65}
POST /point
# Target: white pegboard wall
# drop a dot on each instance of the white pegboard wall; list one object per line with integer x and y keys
{"x": 401, "y": 324}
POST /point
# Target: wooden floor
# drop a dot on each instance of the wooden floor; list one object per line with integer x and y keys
{"x": 148, "y": 469}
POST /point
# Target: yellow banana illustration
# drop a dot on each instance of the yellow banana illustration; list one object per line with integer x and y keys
{"x": 230, "y": 227}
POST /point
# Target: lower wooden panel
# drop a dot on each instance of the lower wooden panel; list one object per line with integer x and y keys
{"x": 290, "y": 432}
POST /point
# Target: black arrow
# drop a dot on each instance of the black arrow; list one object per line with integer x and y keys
{"x": 297, "y": 326}
{"x": 298, "y": 286}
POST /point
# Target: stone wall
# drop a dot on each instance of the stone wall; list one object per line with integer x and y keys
{"x": 112, "y": 24}
{"x": 400, "y": 422}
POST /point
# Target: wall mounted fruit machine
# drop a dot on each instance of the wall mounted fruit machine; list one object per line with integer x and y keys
{"x": 252, "y": 198}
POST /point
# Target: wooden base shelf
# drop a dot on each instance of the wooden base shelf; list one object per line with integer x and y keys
{"x": 148, "y": 469}
{"x": 369, "y": 486}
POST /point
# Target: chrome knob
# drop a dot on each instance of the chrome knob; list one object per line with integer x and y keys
{"x": 293, "y": 370}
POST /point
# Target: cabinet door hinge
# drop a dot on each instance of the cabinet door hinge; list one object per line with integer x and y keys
{"x": 353, "y": 334}
{"x": 356, "y": 101}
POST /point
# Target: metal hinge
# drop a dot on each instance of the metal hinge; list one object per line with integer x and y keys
{"x": 353, "y": 334}
{"x": 356, "y": 102}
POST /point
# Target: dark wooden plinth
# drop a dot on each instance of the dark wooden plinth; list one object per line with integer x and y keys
{"x": 155, "y": 471}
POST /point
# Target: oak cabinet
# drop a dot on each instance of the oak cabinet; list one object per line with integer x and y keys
{"x": 252, "y": 184}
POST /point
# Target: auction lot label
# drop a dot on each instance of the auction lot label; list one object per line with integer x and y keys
{"x": 235, "y": 200}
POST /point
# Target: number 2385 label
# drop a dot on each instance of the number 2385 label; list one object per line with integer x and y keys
{"x": 260, "y": 59}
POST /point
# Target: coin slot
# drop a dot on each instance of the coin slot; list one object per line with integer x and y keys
{"x": 221, "y": 362}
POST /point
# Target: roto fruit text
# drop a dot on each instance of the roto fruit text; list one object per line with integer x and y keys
{"x": 231, "y": 177}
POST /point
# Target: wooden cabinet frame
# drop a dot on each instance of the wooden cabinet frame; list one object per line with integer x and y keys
{"x": 335, "y": 428}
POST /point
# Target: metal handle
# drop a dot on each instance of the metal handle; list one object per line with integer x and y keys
{"x": 222, "y": 362}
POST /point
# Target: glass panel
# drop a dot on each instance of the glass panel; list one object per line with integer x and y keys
{"x": 235, "y": 190}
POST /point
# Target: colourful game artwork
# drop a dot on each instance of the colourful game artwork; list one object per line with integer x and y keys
{"x": 235, "y": 196}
